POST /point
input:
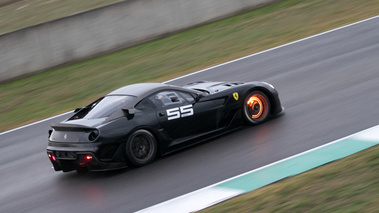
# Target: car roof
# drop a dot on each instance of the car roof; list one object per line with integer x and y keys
{"x": 141, "y": 89}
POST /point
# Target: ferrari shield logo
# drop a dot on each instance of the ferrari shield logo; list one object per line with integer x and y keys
{"x": 235, "y": 96}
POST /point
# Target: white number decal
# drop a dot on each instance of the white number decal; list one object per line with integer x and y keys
{"x": 173, "y": 113}
{"x": 186, "y": 110}
{"x": 177, "y": 112}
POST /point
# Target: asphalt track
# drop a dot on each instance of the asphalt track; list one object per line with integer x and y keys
{"x": 329, "y": 85}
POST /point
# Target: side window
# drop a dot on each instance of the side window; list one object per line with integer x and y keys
{"x": 144, "y": 104}
{"x": 188, "y": 97}
{"x": 166, "y": 98}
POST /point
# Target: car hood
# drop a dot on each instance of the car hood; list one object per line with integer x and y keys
{"x": 211, "y": 87}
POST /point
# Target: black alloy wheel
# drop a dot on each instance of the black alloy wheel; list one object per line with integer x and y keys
{"x": 141, "y": 148}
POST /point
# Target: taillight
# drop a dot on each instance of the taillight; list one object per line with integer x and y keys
{"x": 84, "y": 159}
{"x": 52, "y": 157}
{"x": 93, "y": 135}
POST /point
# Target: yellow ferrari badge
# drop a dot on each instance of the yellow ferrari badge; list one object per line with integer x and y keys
{"x": 235, "y": 96}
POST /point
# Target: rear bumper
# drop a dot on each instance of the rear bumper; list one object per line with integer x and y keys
{"x": 68, "y": 157}
{"x": 81, "y": 161}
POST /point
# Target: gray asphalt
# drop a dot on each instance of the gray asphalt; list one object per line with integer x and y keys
{"x": 328, "y": 84}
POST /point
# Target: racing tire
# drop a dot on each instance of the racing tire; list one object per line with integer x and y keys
{"x": 256, "y": 108}
{"x": 141, "y": 148}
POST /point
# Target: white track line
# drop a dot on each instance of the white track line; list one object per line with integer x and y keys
{"x": 370, "y": 134}
{"x": 274, "y": 48}
{"x": 219, "y": 65}
{"x": 37, "y": 122}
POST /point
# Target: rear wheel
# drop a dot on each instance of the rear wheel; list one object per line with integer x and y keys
{"x": 141, "y": 148}
{"x": 256, "y": 108}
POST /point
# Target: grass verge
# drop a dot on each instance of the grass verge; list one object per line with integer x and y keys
{"x": 17, "y": 14}
{"x": 347, "y": 185}
{"x": 63, "y": 89}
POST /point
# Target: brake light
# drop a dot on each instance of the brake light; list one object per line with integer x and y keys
{"x": 52, "y": 157}
{"x": 88, "y": 157}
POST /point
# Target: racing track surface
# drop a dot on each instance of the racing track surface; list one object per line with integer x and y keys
{"x": 329, "y": 85}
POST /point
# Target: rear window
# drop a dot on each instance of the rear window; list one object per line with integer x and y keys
{"x": 103, "y": 108}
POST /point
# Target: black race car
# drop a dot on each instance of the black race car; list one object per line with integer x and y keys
{"x": 132, "y": 125}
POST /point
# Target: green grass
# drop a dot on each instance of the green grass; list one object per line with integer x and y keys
{"x": 17, "y": 14}
{"x": 347, "y": 185}
{"x": 65, "y": 88}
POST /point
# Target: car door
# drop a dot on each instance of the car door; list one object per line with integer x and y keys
{"x": 181, "y": 116}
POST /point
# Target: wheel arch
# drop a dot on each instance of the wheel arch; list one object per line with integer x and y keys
{"x": 269, "y": 95}
{"x": 159, "y": 139}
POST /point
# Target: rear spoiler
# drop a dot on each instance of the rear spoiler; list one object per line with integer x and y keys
{"x": 71, "y": 127}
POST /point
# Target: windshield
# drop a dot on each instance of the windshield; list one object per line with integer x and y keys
{"x": 103, "y": 108}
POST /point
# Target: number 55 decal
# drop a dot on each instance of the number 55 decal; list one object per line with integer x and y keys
{"x": 178, "y": 112}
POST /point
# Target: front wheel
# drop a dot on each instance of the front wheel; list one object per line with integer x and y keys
{"x": 141, "y": 148}
{"x": 256, "y": 108}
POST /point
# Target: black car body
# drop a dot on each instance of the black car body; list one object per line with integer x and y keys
{"x": 133, "y": 124}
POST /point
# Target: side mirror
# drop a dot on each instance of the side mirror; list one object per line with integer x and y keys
{"x": 129, "y": 113}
